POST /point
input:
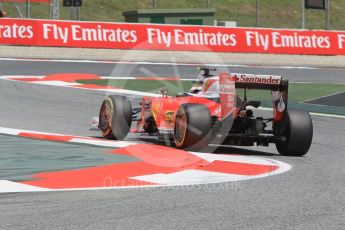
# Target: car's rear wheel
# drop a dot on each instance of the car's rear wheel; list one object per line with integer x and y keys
{"x": 115, "y": 117}
{"x": 298, "y": 133}
{"x": 192, "y": 127}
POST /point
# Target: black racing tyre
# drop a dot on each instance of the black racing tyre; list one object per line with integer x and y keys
{"x": 298, "y": 133}
{"x": 192, "y": 127}
{"x": 115, "y": 117}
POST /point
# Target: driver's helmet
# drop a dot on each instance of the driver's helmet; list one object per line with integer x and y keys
{"x": 210, "y": 88}
{"x": 205, "y": 72}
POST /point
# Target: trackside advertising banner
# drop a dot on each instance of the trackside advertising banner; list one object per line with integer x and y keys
{"x": 169, "y": 37}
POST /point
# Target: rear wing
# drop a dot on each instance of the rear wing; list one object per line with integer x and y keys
{"x": 228, "y": 82}
{"x": 252, "y": 81}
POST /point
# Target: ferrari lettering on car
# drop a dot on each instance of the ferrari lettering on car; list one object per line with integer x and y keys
{"x": 227, "y": 89}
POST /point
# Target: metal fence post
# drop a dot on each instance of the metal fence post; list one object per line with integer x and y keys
{"x": 303, "y": 14}
{"x": 327, "y": 14}
{"x": 78, "y": 13}
{"x": 257, "y": 13}
{"x": 72, "y": 13}
{"x": 54, "y": 9}
{"x": 28, "y": 8}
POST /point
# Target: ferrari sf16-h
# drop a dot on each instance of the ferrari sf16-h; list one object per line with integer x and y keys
{"x": 212, "y": 111}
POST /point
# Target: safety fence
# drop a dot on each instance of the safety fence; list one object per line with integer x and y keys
{"x": 29, "y": 32}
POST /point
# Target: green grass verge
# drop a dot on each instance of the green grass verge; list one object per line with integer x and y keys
{"x": 173, "y": 87}
{"x": 298, "y": 92}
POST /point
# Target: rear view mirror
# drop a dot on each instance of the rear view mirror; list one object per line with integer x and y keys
{"x": 255, "y": 104}
{"x": 164, "y": 92}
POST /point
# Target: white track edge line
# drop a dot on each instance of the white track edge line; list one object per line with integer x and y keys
{"x": 162, "y": 63}
{"x": 311, "y": 113}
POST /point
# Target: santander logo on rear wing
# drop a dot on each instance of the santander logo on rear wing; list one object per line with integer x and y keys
{"x": 257, "y": 79}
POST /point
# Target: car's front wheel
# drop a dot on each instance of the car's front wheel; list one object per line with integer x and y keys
{"x": 115, "y": 117}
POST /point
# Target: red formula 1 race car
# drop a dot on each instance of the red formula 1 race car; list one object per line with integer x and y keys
{"x": 213, "y": 112}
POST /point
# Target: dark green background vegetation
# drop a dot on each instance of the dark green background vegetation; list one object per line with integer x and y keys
{"x": 273, "y": 13}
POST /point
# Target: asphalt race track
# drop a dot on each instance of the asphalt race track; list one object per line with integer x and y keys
{"x": 309, "y": 196}
{"x": 7, "y": 67}
{"x": 335, "y": 100}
